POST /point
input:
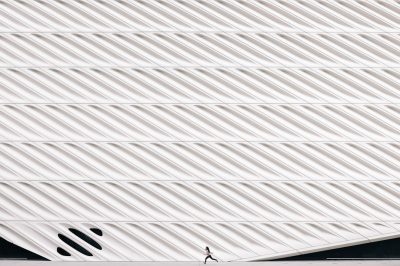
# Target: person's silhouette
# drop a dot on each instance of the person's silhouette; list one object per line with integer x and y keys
{"x": 208, "y": 255}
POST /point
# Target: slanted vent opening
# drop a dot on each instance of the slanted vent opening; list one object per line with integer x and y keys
{"x": 74, "y": 245}
{"x": 85, "y": 238}
{"x": 63, "y": 252}
{"x": 96, "y": 231}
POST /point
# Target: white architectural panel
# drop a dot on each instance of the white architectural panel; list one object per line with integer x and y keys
{"x": 263, "y": 129}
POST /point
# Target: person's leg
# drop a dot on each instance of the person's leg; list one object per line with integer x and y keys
{"x": 213, "y": 258}
{"x": 205, "y": 260}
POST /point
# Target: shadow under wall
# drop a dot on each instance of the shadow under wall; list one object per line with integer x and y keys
{"x": 10, "y": 251}
{"x": 385, "y": 249}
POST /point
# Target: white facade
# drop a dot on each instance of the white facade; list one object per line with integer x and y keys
{"x": 262, "y": 129}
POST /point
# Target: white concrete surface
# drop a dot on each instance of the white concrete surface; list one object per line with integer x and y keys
{"x": 261, "y": 129}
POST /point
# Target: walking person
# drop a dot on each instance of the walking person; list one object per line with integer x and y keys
{"x": 208, "y": 255}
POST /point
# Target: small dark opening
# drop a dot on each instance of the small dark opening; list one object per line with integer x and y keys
{"x": 85, "y": 238}
{"x": 74, "y": 245}
{"x": 63, "y": 252}
{"x": 96, "y": 231}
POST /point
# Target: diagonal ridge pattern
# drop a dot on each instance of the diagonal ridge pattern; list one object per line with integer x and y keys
{"x": 264, "y": 129}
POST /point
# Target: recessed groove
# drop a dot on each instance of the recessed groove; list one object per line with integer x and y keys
{"x": 85, "y": 238}
{"x": 74, "y": 245}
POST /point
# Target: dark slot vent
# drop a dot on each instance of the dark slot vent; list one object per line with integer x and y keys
{"x": 96, "y": 231}
{"x": 63, "y": 252}
{"x": 85, "y": 238}
{"x": 74, "y": 245}
{"x": 10, "y": 251}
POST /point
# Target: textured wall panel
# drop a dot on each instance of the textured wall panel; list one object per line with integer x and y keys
{"x": 262, "y": 129}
